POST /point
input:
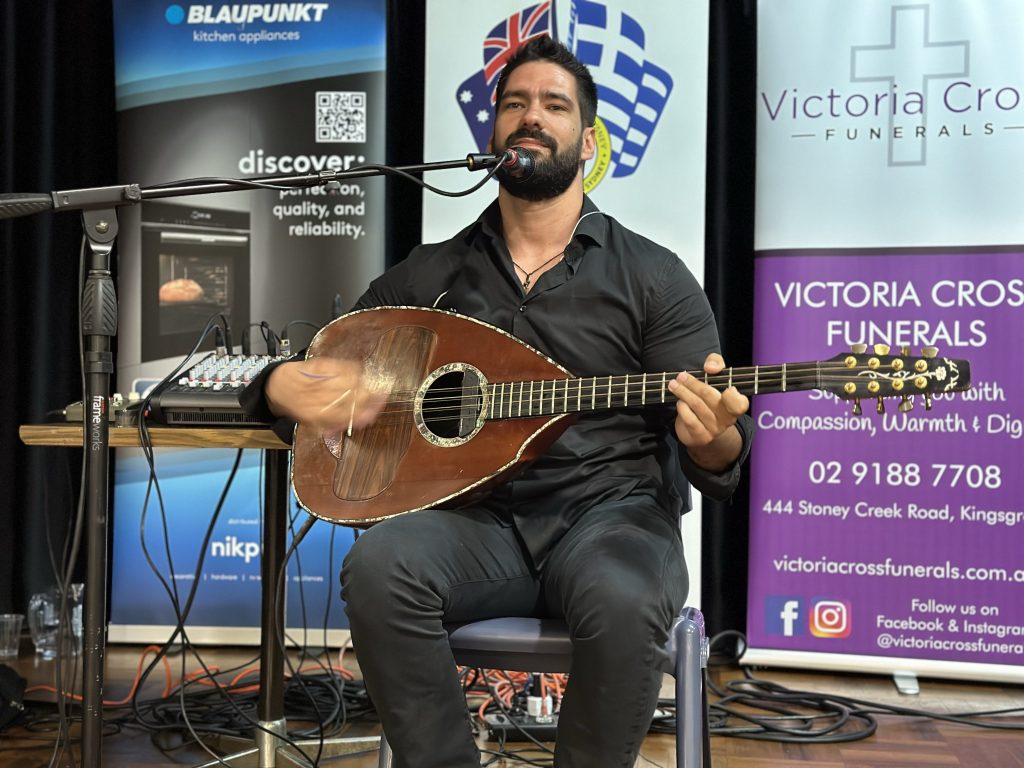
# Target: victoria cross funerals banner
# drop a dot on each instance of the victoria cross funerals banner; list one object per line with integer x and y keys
{"x": 890, "y": 138}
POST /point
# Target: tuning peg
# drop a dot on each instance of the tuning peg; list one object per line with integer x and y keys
{"x": 882, "y": 349}
{"x": 906, "y": 404}
{"x": 905, "y": 350}
{"x": 929, "y": 351}
{"x": 880, "y": 408}
{"x": 858, "y": 349}
{"x": 857, "y": 410}
{"x": 927, "y": 401}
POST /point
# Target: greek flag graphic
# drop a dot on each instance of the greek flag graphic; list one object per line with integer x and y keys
{"x": 632, "y": 91}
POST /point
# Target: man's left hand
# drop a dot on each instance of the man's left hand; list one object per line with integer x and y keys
{"x": 705, "y": 418}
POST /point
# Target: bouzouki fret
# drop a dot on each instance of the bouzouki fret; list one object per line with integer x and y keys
{"x": 625, "y": 393}
{"x": 643, "y": 391}
{"x": 609, "y": 391}
{"x": 783, "y": 377}
{"x": 755, "y": 378}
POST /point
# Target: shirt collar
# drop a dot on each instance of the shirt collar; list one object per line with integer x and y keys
{"x": 594, "y": 227}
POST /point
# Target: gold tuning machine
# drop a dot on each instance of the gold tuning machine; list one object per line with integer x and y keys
{"x": 906, "y": 404}
{"x": 880, "y": 408}
{"x": 905, "y": 350}
{"x": 882, "y": 349}
{"x": 929, "y": 351}
{"x": 858, "y": 349}
{"x": 927, "y": 401}
{"x": 857, "y": 410}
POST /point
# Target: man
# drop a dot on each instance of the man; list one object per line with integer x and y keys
{"x": 589, "y": 532}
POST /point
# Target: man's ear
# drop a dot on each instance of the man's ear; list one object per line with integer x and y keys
{"x": 589, "y": 146}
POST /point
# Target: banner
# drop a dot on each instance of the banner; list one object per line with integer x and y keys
{"x": 236, "y": 90}
{"x": 649, "y": 60}
{"x": 887, "y": 214}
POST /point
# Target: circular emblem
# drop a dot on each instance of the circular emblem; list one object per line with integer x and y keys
{"x": 603, "y": 158}
{"x": 174, "y": 14}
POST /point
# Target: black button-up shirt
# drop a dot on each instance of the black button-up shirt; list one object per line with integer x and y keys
{"x": 616, "y": 304}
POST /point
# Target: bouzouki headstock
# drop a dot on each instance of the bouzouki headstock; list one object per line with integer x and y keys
{"x": 874, "y": 373}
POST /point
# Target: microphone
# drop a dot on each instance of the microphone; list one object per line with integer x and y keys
{"x": 517, "y": 164}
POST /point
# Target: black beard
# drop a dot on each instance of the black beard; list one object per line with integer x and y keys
{"x": 550, "y": 177}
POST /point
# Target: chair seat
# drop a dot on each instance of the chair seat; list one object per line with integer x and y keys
{"x": 516, "y": 643}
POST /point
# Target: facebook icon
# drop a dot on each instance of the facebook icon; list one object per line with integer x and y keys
{"x": 782, "y": 616}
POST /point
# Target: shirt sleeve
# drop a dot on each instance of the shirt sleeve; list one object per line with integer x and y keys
{"x": 254, "y": 402}
{"x": 679, "y": 333}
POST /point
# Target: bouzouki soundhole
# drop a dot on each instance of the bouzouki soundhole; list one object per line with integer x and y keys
{"x": 450, "y": 405}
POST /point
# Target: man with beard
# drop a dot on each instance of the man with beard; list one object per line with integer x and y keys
{"x": 589, "y": 532}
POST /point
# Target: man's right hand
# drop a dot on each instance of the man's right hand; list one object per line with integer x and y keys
{"x": 323, "y": 392}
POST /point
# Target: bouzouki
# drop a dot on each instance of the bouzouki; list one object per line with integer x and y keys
{"x": 468, "y": 405}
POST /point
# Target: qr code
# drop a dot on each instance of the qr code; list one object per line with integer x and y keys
{"x": 340, "y": 116}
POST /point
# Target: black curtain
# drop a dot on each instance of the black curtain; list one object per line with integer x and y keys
{"x": 57, "y": 97}
{"x": 58, "y": 132}
{"x": 729, "y": 278}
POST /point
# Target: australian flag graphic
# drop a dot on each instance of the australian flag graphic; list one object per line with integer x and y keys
{"x": 632, "y": 90}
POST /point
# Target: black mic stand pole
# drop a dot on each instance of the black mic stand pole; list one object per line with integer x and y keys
{"x": 99, "y": 327}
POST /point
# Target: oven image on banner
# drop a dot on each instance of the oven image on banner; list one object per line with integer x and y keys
{"x": 649, "y": 62}
{"x": 235, "y": 90}
{"x": 886, "y": 535}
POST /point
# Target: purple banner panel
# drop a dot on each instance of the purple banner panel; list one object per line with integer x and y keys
{"x": 895, "y": 534}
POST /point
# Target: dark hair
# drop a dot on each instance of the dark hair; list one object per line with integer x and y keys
{"x": 543, "y": 48}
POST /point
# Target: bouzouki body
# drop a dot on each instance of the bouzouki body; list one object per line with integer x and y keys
{"x": 398, "y": 463}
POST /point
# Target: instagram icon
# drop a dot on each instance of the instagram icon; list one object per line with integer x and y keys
{"x": 830, "y": 618}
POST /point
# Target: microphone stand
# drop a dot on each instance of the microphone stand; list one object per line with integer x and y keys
{"x": 99, "y": 327}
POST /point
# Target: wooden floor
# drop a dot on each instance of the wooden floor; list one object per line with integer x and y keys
{"x": 900, "y": 742}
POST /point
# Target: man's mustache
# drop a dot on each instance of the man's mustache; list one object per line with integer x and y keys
{"x": 526, "y": 133}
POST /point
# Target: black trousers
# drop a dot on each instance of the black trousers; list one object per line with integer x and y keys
{"x": 618, "y": 578}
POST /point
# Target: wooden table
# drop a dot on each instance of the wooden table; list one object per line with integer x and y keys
{"x": 70, "y": 436}
{"x": 270, "y": 706}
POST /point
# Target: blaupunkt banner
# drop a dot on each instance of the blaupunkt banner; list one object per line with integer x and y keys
{"x": 235, "y": 89}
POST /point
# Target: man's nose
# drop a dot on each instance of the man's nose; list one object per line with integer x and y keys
{"x": 533, "y": 115}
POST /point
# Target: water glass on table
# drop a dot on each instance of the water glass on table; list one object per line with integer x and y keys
{"x": 44, "y": 621}
{"x": 10, "y": 634}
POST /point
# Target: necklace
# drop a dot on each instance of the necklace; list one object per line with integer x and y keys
{"x": 529, "y": 275}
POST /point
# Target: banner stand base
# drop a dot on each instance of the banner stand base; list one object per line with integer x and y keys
{"x": 883, "y": 665}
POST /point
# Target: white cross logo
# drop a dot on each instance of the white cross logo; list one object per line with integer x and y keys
{"x": 907, "y": 59}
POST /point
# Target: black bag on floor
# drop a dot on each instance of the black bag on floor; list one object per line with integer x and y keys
{"x": 12, "y": 693}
